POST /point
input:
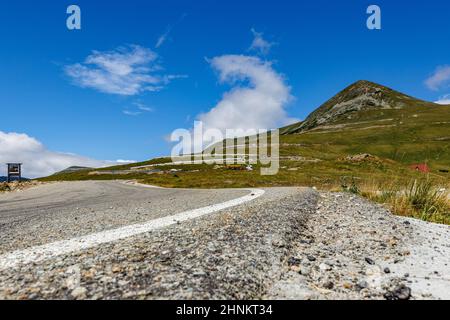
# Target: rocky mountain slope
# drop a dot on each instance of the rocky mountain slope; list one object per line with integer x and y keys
{"x": 360, "y": 96}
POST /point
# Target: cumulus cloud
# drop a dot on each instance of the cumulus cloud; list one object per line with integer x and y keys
{"x": 259, "y": 44}
{"x": 37, "y": 160}
{"x": 440, "y": 78}
{"x": 126, "y": 71}
{"x": 256, "y": 101}
{"x": 445, "y": 100}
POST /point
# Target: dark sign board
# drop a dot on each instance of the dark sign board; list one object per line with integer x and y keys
{"x": 14, "y": 171}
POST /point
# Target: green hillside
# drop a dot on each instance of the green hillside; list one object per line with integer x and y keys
{"x": 369, "y": 118}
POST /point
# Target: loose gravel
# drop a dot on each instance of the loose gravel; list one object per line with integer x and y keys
{"x": 354, "y": 249}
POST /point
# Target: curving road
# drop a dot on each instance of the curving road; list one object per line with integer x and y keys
{"x": 110, "y": 240}
{"x": 66, "y": 210}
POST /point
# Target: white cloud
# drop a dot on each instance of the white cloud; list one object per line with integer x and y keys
{"x": 139, "y": 109}
{"x": 131, "y": 113}
{"x": 165, "y": 36}
{"x": 445, "y": 100}
{"x": 37, "y": 160}
{"x": 257, "y": 100}
{"x": 143, "y": 107}
{"x": 441, "y": 77}
{"x": 125, "y": 71}
{"x": 162, "y": 38}
{"x": 259, "y": 44}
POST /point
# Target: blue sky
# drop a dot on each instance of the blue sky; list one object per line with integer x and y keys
{"x": 315, "y": 49}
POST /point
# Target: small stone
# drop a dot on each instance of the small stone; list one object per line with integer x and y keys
{"x": 401, "y": 292}
{"x": 328, "y": 285}
{"x": 311, "y": 258}
{"x": 294, "y": 261}
{"x": 370, "y": 261}
{"x": 199, "y": 274}
{"x": 387, "y": 270}
{"x": 362, "y": 284}
{"x": 347, "y": 285}
{"x": 279, "y": 243}
{"x": 79, "y": 293}
{"x": 295, "y": 268}
{"x": 116, "y": 269}
{"x": 325, "y": 267}
{"x": 305, "y": 271}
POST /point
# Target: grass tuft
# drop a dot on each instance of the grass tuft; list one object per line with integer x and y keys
{"x": 419, "y": 198}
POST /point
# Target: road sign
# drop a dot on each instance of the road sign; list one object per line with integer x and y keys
{"x": 14, "y": 171}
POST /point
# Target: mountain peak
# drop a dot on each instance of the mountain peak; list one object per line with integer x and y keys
{"x": 360, "y": 96}
{"x": 365, "y": 87}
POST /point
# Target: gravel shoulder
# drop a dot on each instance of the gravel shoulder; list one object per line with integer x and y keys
{"x": 354, "y": 249}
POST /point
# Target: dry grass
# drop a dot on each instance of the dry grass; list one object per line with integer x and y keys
{"x": 419, "y": 198}
{"x": 4, "y": 187}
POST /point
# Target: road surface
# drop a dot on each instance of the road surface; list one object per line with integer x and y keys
{"x": 66, "y": 210}
{"x": 111, "y": 240}
{"x": 113, "y": 229}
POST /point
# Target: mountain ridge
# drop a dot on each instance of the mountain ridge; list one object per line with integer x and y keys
{"x": 359, "y": 96}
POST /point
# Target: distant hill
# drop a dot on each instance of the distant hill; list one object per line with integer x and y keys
{"x": 73, "y": 169}
{"x": 4, "y": 179}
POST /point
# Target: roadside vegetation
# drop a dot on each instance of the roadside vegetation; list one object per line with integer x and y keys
{"x": 4, "y": 187}
{"x": 420, "y": 198}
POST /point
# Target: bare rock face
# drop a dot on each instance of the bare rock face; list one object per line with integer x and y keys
{"x": 362, "y": 157}
{"x": 360, "y": 96}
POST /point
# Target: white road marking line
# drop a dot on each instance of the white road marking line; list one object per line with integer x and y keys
{"x": 51, "y": 250}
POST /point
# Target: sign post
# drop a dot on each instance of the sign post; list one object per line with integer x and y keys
{"x": 14, "y": 171}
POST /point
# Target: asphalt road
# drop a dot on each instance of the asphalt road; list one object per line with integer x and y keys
{"x": 110, "y": 240}
{"x": 60, "y": 211}
{"x": 223, "y": 243}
